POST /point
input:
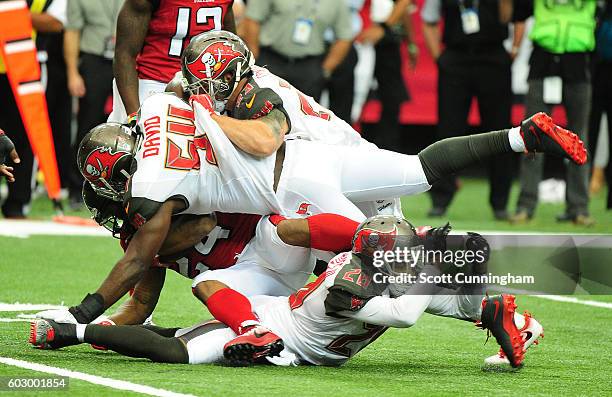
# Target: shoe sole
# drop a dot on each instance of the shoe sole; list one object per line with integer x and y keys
{"x": 41, "y": 334}
{"x": 567, "y": 140}
{"x": 499, "y": 325}
{"x": 242, "y": 354}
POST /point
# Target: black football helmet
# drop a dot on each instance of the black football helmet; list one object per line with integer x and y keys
{"x": 104, "y": 211}
{"x": 213, "y": 63}
{"x": 105, "y": 159}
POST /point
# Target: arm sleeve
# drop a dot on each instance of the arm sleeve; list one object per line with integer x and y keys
{"x": 74, "y": 15}
{"x": 401, "y": 312}
{"x": 431, "y": 11}
{"x": 258, "y": 10}
{"x": 257, "y": 103}
{"x": 342, "y": 28}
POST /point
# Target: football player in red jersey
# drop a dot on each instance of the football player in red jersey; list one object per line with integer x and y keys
{"x": 226, "y": 255}
{"x": 331, "y": 319}
{"x": 151, "y": 36}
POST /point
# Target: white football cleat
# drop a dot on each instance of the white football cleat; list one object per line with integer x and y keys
{"x": 531, "y": 330}
{"x": 57, "y": 315}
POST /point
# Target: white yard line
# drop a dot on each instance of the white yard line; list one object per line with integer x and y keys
{"x": 17, "y": 307}
{"x": 26, "y": 228}
{"x": 96, "y": 380}
{"x": 571, "y": 299}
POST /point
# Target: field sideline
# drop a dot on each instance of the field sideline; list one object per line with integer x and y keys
{"x": 436, "y": 357}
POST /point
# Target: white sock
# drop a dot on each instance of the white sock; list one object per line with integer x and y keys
{"x": 80, "y": 332}
{"x": 516, "y": 140}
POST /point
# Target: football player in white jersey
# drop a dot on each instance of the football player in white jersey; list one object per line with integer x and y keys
{"x": 175, "y": 172}
{"x": 329, "y": 320}
{"x": 188, "y": 167}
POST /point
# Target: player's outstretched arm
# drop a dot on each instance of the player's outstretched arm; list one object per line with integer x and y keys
{"x": 141, "y": 304}
{"x": 129, "y": 270}
{"x": 132, "y": 27}
{"x": 187, "y": 231}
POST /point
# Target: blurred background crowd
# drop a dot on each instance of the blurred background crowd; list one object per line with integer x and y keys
{"x": 404, "y": 73}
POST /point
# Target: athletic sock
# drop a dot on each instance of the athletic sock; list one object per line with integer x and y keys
{"x": 80, "y": 332}
{"x": 137, "y": 341}
{"x": 331, "y": 232}
{"x": 516, "y": 140}
{"x": 232, "y": 308}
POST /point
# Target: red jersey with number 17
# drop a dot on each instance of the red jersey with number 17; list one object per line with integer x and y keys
{"x": 172, "y": 25}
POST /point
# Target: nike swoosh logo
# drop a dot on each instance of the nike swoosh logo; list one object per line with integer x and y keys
{"x": 496, "y": 309}
{"x": 528, "y": 335}
{"x": 250, "y": 103}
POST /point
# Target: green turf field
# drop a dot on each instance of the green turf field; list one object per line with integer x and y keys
{"x": 436, "y": 357}
{"x": 470, "y": 210}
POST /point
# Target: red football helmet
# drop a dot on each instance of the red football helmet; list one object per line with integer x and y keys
{"x": 214, "y": 62}
{"x": 105, "y": 159}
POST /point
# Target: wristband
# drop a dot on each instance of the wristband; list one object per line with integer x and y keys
{"x": 90, "y": 308}
{"x": 132, "y": 119}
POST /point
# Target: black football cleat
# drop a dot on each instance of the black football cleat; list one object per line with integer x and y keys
{"x": 256, "y": 343}
{"x": 542, "y": 135}
{"x": 49, "y": 335}
{"x": 498, "y": 318}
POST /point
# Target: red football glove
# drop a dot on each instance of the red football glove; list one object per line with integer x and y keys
{"x": 204, "y": 100}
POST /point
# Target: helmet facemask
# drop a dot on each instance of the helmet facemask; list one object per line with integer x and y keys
{"x": 393, "y": 249}
{"x": 105, "y": 212}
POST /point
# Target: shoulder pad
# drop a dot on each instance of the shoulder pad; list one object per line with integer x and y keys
{"x": 257, "y": 102}
{"x": 352, "y": 288}
{"x": 139, "y": 210}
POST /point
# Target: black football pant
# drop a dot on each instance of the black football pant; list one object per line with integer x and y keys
{"x": 342, "y": 87}
{"x": 602, "y": 103}
{"x": 20, "y": 191}
{"x": 485, "y": 75}
{"x": 391, "y": 93}
{"x": 97, "y": 73}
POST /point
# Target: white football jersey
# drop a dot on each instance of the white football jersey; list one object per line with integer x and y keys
{"x": 304, "y": 322}
{"x": 194, "y": 162}
{"x": 309, "y": 120}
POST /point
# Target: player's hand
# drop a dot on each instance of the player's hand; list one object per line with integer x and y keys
{"x": 203, "y": 99}
{"x": 479, "y": 245}
{"x": 7, "y": 149}
{"x": 57, "y": 315}
{"x": 435, "y": 239}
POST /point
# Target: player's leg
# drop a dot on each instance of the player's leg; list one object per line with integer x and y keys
{"x": 282, "y": 268}
{"x": 379, "y": 174}
{"x": 128, "y": 340}
{"x": 310, "y": 181}
{"x": 232, "y": 308}
{"x": 205, "y": 342}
